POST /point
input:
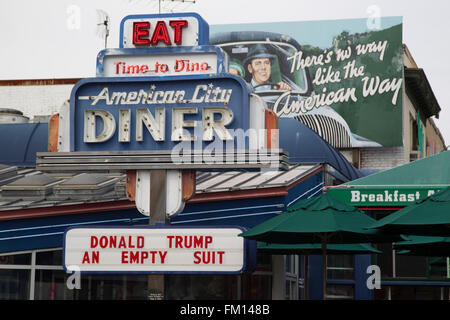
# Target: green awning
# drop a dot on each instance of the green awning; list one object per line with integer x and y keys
{"x": 315, "y": 248}
{"x": 400, "y": 186}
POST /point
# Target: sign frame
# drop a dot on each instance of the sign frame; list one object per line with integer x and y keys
{"x": 203, "y": 26}
{"x": 222, "y": 58}
{"x": 248, "y": 247}
{"x": 168, "y": 79}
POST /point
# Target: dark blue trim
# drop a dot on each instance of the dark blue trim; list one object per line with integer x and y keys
{"x": 341, "y": 282}
{"x": 360, "y": 263}
{"x": 43, "y": 233}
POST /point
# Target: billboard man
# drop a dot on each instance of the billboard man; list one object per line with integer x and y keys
{"x": 259, "y": 64}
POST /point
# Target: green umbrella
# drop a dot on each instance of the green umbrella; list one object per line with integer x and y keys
{"x": 316, "y": 220}
{"x": 427, "y": 217}
{"x": 424, "y": 246}
{"x": 321, "y": 219}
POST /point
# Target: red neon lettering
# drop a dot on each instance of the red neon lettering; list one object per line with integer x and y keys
{"x": 208, "y": 240}
{"x": 140, "y": 242}
{"x": 208, "y": 257}
{"x": 103, "y": 242}
{"x": 179, "y": 65}
{"x": 124, "y": 256}
{"x": 130, "y": 243}
{"x": 198, "y": 242}
{"x": 117, "y": 64}
{"x": 153, "y": 253}
{"x": 189, "y": 241}
{"x": 220, "y": 253}
{"x": 177, "y": 26}
{"x": 122, "y": 243}
{"x": 144, "y": 255}
{"x": 178, "y": 242}
{"x": 170, "y": 240}
{"x": 134, "y": 257}
{"x": 112, "y": 241}
{"x": 162, "y": 256}
{"x": 94, "y": 241}
{"x": 160, "y": 34}
{"x": 141, "y": 33}
{"x": 204, "y": 66}
{"x": 144, "y": 68}
{"x": 86, "y": 257}
{"x": 95, "y": 257}
{"x": 197, "y": 258}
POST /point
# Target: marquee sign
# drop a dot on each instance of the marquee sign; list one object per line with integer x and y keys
{"x": 155, "y": 250}
{"x": 163, "y": 30}
{"x": 161, "y": 61}
{"x": 122, "y": 114}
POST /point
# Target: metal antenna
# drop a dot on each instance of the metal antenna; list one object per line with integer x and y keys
{"x": 103, "y": 19}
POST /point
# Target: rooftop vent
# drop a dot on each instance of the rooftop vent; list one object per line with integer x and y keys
{"x": 86, "y": 186}
{"x": 32, "y": 186}
{"x": 7, "y": 174}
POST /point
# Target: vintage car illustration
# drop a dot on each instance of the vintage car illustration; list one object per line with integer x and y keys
{"x": 285, "y": 84}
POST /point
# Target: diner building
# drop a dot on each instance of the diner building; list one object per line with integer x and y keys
{"x": 36, "y": 208}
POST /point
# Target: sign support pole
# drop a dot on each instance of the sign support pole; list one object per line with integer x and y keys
{"x": 158, "y": 183}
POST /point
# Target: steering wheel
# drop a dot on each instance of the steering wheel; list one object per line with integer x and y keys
{"x": 273, "y": 86}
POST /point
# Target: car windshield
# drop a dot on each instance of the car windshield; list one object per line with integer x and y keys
{"x": 280, "y": 68}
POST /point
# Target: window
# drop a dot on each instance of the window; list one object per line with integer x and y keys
{"x": 15, "y": 274}
{"x": 341, "y": 292}
{"x": 14, "y": 284}
{"x": 292, "y": 269}
{"x": 340, "y": 267}
{"x": 205, "y": 287}
{"x": 39, "y": 275}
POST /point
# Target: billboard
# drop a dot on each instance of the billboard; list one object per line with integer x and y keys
{"x": 341, "y": 78}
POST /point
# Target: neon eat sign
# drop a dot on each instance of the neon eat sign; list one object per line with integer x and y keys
{"x": 165, "y": 30}
{"x": 141, "y": 32}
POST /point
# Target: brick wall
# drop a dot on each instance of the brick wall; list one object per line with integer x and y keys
{"x": 35, "y": 99}
{"x": 382, "y": 158}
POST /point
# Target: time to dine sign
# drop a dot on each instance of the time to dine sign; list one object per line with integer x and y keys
{"x": 154, "y": 250}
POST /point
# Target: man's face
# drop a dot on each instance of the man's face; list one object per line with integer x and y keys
{"x": 260, "y": 69}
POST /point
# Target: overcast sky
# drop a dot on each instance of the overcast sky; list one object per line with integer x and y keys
{"x": 61, "y": 39}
